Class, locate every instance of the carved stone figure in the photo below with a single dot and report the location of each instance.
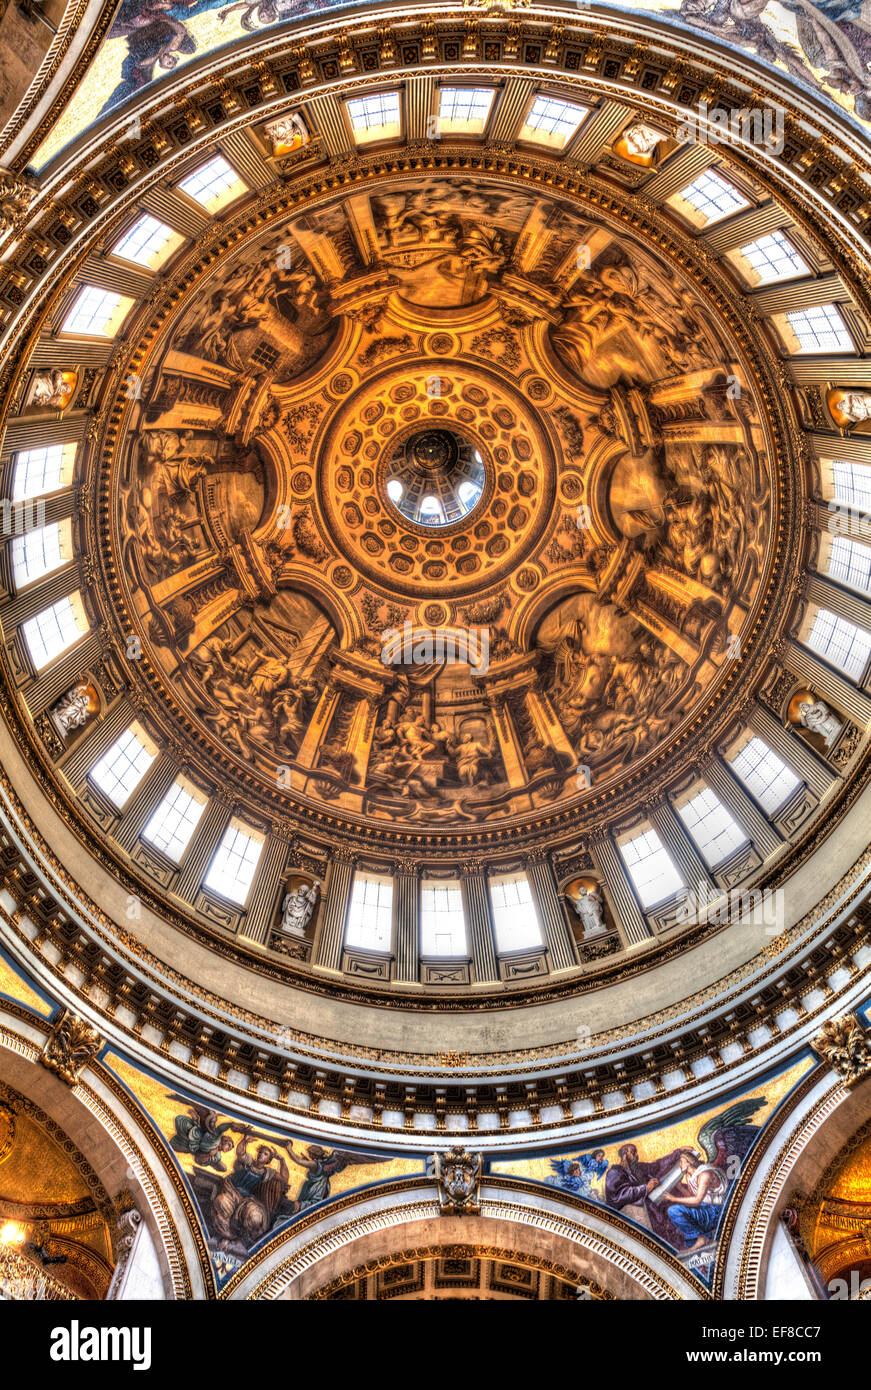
(590, 910)
(843, 1043)
(817, 717)
(73, 710)
(855, 406)
(458, 1174)
(70, 1046)
(297, 908)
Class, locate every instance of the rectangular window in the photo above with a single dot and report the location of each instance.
(375, 117)
(464, 109)
(97, 313)
(515, 920)
(650, 868)
(231, 871)
(42, 470)
(849, 483)
(843, 644)
(552, 122)
(55, 629)
(764, 774)
(40, 551)
(370, 915)
(214, 184)
(819, 329)
(711, 197)
(148, 243)
(850, 563)
(122, 768)
(774, 258)
(442, 921)
(710, 825)
(176, 818)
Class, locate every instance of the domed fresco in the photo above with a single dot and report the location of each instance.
(435, 592)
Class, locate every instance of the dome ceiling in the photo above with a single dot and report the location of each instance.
(443, 670)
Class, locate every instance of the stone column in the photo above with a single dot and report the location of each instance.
(198, 855)
(479, 922)
(406, 920)
(611, 872)
(560, 945)
(674, 835)
(264, 890)
(329, 940)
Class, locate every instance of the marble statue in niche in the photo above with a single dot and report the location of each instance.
(816, 716)
(590, 910)
(297, 908)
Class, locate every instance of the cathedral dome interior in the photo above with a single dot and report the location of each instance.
(435, 595)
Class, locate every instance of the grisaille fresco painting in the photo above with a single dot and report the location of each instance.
(225, 522)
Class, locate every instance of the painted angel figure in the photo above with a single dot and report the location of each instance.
(199, 1134)
(578, 1174)
(321, 1165)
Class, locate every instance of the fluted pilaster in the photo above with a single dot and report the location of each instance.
(479, 922)
(330, 936)
(547, 899)
(611, 872)
(406, 921)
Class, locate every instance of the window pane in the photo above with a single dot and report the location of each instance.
(371, 913)
(850, 562)
(764, 774)
(55, 629)
(40, 551)
(175, 820)
(820, 329)
(465, 105)
(232, 870)
(711, 826)
(374, 116)
(42, 470)
(851, 483)
(442, 922)
(843, 644)
(98, 313)
(774, 257)
(553, 122)
(213, 184)
(147, 242)
(650, 868)
(123, 767)
(713, 197)
(515, 919)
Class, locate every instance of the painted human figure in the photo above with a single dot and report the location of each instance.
(630, 1181)
(697, 1216)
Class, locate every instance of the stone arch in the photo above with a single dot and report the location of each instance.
(107, 1133)
(596, 1246)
